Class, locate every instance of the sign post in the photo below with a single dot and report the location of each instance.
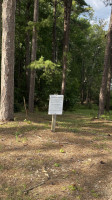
(53, 124)
(55, 108)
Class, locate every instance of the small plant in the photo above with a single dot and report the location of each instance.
(74, 171)
(71, 187)
(78, 197)
(24, 140)
(1, 167)
(94, 194)
(28, 121)
(79, 188)
(38, 151)
(56, 164)
(62, 151)
(17, 134)
(63, 188)
(75, 187)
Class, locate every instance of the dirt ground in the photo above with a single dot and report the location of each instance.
(74, 163)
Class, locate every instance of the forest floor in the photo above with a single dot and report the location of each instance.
(74, 163)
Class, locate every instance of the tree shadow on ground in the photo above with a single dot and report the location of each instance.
(82, 171)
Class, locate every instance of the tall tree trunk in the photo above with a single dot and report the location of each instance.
(0, 30)
(18, 11)
(54, 33)
(33, 57)
(82, 82)
(0, 37)
(102, 95)
(27, 61)
(109, 78)
(0, 23)
(67, 13)
(28, 49)
(7, 71)
(108, 89)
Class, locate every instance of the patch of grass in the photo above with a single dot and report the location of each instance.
(75, 130)
(74, 171)
(101, 146)
(97, 138)
(79, 188)
(75, 187)
(15, 193)
(27, 121)
(63, 188)
(72, 188)
(1, 167)
(17, 133)
(107, 117)
(94, 194)
(1, 147)
(50, 144)
(38, 151)
(78, 197)
(24, 140)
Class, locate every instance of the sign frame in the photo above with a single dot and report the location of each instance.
(55, 108)
(56, 104)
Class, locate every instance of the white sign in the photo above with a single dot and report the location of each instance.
(56, 105)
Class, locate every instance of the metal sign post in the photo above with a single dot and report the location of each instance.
(55, 108)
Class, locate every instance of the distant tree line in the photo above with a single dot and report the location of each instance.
(49, 47)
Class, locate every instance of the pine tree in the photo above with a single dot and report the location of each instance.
(7, 65)
(103, 88)
(33, 57)
(67, 13)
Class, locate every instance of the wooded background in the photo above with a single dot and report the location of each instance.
(57, 51)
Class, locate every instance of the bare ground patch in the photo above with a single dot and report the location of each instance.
(73, 163)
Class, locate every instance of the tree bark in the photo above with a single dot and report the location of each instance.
(102, 95)
(108, 89)
(28, 48)
(82, 82)
(54, 32)
(109, 78)
(67, 13)
(7, 64)
(0, 23)
(28, 55)
(33, 57)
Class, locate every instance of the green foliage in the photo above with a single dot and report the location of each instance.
(94, 194)
(85, 57)
(57, 165)
(62, 151)
(41, 64)
(71, 187)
